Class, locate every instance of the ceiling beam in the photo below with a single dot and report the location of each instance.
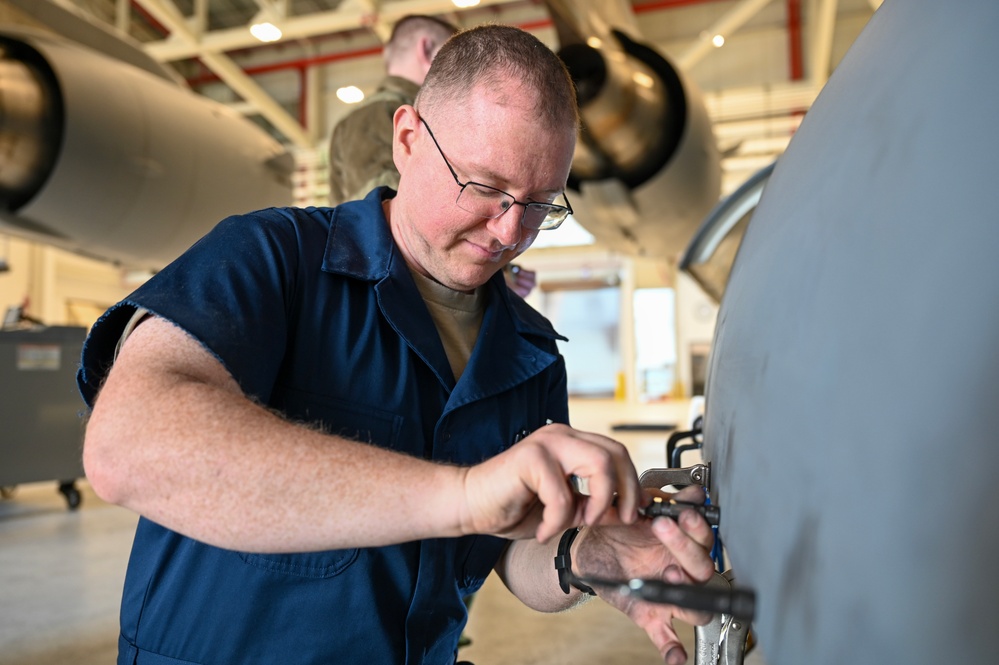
(300, 27)
(824, 23)
(122, 16)
(729, 22)
(167, 13)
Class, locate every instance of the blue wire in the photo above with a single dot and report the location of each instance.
(717, 550)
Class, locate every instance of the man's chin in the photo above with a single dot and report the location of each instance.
(472, 280)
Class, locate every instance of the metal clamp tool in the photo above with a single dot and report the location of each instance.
(725, 639)
(698, 474)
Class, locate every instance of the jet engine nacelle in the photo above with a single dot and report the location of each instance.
(646, 166)
(106, 159)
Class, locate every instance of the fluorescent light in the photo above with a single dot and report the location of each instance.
(462, 4)
(266, 31)
(350, 94)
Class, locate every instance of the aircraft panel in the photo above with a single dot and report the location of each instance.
(851, 416)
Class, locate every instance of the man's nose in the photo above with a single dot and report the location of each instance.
(507, 227)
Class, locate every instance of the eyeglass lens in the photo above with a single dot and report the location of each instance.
(488, 202)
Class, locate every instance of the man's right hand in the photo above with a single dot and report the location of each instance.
(525, 491)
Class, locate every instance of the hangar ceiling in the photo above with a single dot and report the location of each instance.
(757, 86)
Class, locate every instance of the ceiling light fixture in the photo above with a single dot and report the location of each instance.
(264, 26)
(464, 4)
(350, 94)
(265, 31)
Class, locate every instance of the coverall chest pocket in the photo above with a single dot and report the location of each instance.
(315, 565)
(342, 418)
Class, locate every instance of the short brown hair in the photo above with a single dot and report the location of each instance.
(407, 29)
(486, 54)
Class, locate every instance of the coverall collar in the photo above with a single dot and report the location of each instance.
(360, 245)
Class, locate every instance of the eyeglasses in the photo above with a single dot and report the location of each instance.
(489, 202)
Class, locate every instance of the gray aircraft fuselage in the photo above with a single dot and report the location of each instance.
(852, 408)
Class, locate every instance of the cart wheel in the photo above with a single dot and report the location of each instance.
(72, 494)
(8, 492)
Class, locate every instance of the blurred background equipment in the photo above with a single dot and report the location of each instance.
(39, 404)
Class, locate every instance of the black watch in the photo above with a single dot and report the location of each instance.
(563, 564)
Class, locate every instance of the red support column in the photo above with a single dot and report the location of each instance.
(794, 40)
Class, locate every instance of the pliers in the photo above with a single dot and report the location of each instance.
(726, 639)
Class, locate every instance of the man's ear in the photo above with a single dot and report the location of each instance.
(428, 49)
(405, 122)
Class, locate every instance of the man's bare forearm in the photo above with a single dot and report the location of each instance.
(173, 438)
(527, 568)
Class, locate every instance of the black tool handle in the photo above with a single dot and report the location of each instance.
(674, 508)
(740, 603)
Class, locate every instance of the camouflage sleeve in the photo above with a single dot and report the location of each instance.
(361, 152)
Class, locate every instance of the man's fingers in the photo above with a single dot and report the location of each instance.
(688, 549)
(694, 524)
(694, 617)
(609, 473)
(555, 495)
(630, 492)
(545, 461)
(691, 494)
(662, 635)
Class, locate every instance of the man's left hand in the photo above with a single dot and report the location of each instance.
(520, 280)
(677, 552)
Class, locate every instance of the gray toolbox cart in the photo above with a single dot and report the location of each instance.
(41, 429)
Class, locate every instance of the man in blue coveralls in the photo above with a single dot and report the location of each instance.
(335, 422)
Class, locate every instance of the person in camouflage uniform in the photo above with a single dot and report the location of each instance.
(360, 156)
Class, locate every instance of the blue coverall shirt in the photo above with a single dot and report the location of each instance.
(314, 313)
